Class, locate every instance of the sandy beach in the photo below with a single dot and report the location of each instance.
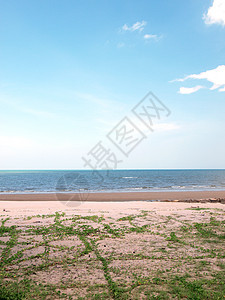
(111, 250)
(24, 205)
(112, 209)
(107, 197)
(112, 247)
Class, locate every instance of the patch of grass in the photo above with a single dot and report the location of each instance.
(205, 231)
(197, 208)
(173, 237)
(139, 229)
(10, 292)
(186, 228)
(129, 218)
(162, 269)
(24, 290)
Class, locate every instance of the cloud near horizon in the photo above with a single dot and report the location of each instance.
(215, 76)
(216, 13)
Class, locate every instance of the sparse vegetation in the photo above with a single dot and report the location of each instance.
(94, 257)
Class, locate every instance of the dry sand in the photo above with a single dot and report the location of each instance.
(112, 203)
(111, 209)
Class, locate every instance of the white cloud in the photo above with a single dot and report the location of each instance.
(150, 36)
(216, 13)
(215, 76)
(138, 26)
(184, 90)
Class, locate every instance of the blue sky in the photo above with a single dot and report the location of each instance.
(72, 70)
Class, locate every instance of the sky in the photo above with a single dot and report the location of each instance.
(71, 71)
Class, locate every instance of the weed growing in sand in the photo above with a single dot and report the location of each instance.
(141, 256)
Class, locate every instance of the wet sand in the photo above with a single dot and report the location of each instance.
(32, 204)
(108, 197)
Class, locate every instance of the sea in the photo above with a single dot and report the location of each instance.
(53, 181)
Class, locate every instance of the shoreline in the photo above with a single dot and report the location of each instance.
(118, 196)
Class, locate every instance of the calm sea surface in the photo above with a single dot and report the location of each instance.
(111, 181)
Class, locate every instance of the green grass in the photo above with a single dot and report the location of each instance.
(184, 261)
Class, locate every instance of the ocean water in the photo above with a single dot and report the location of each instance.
(111, 181)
